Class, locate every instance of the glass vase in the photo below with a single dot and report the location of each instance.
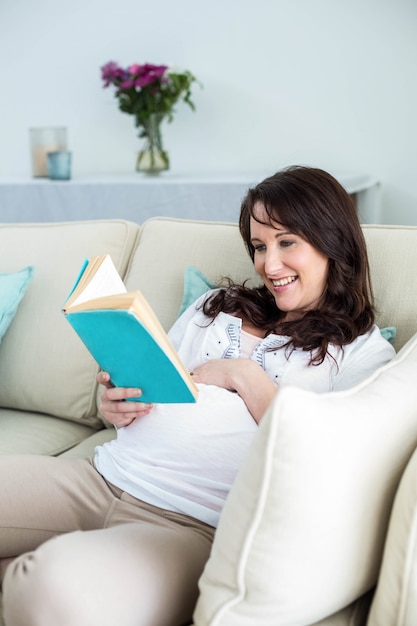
(152, 159)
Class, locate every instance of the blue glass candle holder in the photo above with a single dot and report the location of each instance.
(59, 165)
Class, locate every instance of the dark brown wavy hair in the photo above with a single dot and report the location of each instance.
(312, 204)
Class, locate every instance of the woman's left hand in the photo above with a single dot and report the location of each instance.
(217, 372)
(244, 376)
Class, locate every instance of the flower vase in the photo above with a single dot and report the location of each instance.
(152, 159)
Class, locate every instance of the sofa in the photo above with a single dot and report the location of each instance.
(320, 525)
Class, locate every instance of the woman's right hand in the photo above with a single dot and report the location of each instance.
(113, 406)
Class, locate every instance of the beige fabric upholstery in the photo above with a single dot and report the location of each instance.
(86, 448)
(38, 433)
(354, 614)
(43, 365)
(395, 602)
(392, 255)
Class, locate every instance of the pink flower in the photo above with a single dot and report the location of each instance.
(134, 69)
(146, 74)
(111, 73)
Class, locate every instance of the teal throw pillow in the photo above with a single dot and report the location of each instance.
(12, 290)
(195, 285)
(389, 333)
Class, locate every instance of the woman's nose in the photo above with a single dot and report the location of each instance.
(273, 262)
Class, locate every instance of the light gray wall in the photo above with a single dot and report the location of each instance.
(330, 83)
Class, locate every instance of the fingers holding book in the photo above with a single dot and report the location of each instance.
(103, 378)
(113, 406)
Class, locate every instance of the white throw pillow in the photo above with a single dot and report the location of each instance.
(302, 532)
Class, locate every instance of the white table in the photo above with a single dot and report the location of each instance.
(137, 197)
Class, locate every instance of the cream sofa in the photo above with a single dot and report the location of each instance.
(303, 532)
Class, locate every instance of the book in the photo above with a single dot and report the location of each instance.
(124, 336)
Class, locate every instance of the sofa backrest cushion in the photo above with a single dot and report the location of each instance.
(167, 246)
(392, 254)
(44, 366)
(302, 531)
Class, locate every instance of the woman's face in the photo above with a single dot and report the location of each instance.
(292, 269)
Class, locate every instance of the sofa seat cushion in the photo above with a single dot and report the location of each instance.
(86, 447)
(44, 366)
(24, 432)
(302, 532)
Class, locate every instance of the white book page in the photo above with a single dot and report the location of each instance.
(105, 282)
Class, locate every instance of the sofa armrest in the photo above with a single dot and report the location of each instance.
(395, 600)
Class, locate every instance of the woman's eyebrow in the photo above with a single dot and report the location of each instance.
(279, 233)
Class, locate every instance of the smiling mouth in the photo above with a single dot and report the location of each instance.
(284, 281)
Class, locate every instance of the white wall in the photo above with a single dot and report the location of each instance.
(330, 83)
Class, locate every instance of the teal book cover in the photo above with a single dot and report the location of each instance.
(123, 347)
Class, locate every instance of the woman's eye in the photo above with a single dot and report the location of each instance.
(260, 247)
(285, 243)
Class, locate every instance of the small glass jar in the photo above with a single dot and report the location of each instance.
(59, 165)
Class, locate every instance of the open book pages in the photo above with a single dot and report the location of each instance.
(98, 277)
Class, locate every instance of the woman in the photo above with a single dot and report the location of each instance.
(150, 500)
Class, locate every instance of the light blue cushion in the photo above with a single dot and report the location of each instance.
(12, 290)
(195, 285)
(389, 333)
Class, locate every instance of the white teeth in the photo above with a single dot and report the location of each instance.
(283, 281)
